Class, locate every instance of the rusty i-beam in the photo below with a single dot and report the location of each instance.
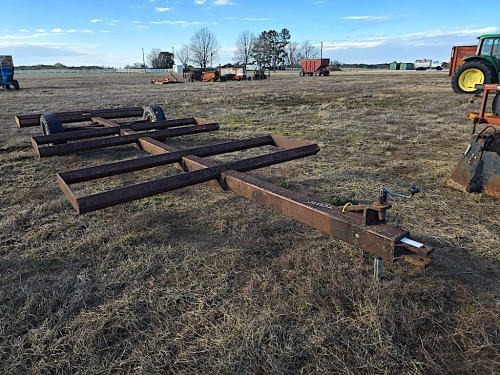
(363, 226)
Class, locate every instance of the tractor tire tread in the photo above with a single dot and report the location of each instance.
(51, 124)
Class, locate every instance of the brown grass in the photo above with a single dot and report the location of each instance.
(200, 281)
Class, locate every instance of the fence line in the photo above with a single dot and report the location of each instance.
(90, 71)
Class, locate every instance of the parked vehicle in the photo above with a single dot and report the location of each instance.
(317, 67)
(468, 68)
(424, 64)
(7, 73)
(234, 74)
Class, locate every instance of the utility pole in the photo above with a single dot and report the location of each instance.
(143, 61)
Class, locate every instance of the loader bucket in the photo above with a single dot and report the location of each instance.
(478, 170)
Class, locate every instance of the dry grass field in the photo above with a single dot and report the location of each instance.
(201, 281)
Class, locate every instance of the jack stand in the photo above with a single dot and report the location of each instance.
(378, 267)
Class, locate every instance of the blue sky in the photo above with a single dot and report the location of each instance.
(114, 32)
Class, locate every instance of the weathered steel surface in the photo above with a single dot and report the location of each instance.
(74, 135)
(126, 166)
(82, 115)
(69, 148)
(478, 169)
(146, 125)
(146, 189)
(383, 240)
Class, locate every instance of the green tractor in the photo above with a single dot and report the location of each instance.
(481, 68)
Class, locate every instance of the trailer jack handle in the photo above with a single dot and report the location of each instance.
(386, 192)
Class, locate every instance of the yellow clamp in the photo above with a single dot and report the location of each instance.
(345, 206)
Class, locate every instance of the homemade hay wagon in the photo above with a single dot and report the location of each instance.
(361, 225)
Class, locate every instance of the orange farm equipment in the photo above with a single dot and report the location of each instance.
(165, 80)
(208, 76)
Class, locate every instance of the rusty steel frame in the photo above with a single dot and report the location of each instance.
(363, 226)
(484, 117)
(478, 169)
(24, 121)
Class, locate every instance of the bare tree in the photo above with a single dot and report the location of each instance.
(183, 55)
(244, 45)
(154, 56)
(204, 47)
(335, 64)
(308, 50)
(293, 56)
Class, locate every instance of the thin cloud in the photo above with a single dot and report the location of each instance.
(57, 48)
(428, 38)
(254, 19)
(223, 2)
(57, 30)
(182, 23)
(96, 20)
(364, 18)
(162, 9)
(200, 2)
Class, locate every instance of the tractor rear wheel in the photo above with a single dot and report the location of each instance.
(51, 124)
(470, 74)
(15, 84)
(153, 113)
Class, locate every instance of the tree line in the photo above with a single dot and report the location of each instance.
(272, 49)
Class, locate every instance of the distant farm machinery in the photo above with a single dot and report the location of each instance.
(317, 67)
(361, 225)
(206, 76)
(7, 80)
(166, 80)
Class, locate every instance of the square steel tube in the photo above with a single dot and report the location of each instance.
(126, 166)
(68, 148)
(73, 135)
(82, 115)
(146, 189)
